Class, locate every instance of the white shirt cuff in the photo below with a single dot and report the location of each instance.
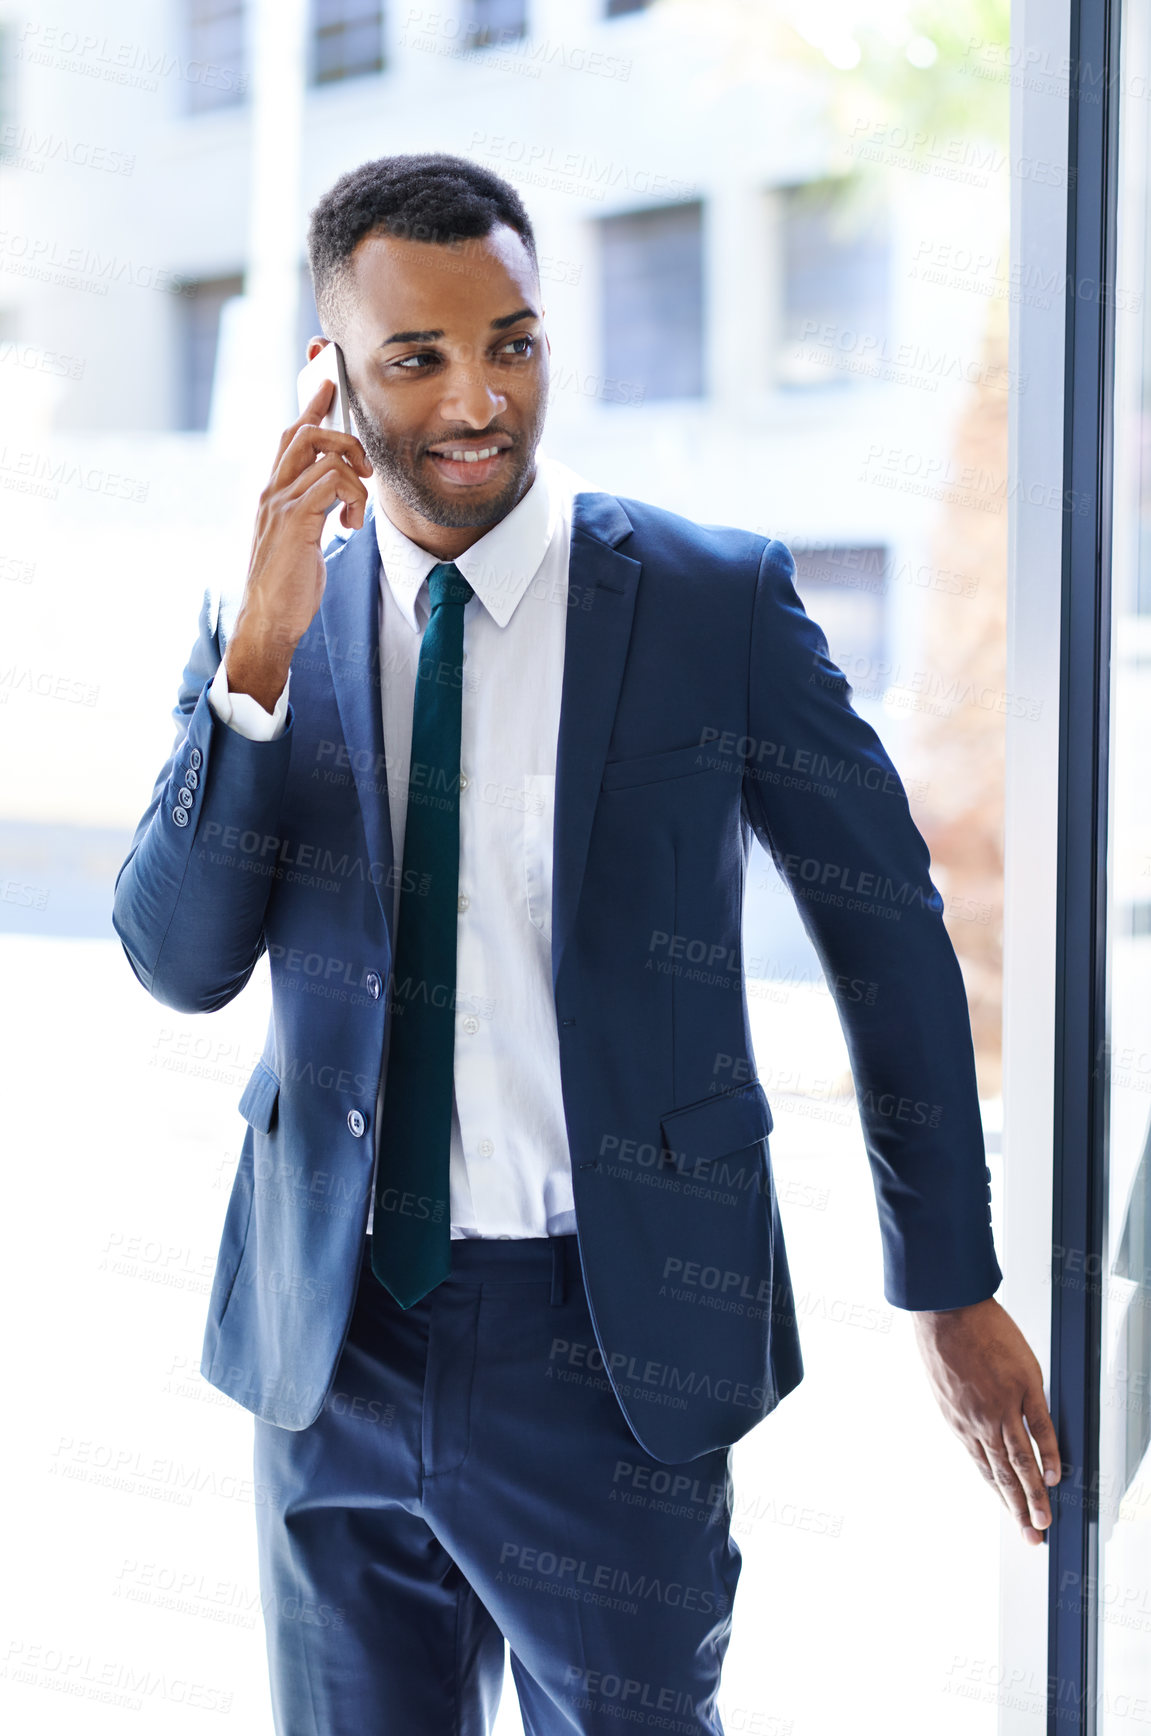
(243, 713)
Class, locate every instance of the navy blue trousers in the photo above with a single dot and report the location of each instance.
(471, 1480)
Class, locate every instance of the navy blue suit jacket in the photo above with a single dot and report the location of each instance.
(699, 705)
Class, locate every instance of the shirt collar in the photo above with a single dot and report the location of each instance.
(499, 566)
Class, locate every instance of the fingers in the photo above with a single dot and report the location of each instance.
(975, 1448)
(1043, 1433)
(309, 442)
(319, 400)
(1006, 1481)
(300, 443)
(314, 409)
(1010, 1488)
(1008, 1463)
(1021, 1457)
(328, 481)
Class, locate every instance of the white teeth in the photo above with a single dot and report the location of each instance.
(470, 457)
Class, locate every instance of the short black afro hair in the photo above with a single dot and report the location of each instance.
(426, 197)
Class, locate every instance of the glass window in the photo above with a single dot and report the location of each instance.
(835, 262)
(843, 588)
(216, 48)
(652, 301)
(617, 8)
(200, 318)
(347, 39)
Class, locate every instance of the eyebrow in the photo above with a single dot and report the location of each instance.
(497, 325)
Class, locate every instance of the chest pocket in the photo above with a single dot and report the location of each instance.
(653, 768)
(539, 818)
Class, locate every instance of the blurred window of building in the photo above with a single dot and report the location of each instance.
(216, 48)
(652, 301)
(835, 262)
(843, 587)
(199, 310)
(347, 40)
(490, 22)
(8, 65)
(617, 8)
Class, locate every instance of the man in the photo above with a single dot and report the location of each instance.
(481, 780)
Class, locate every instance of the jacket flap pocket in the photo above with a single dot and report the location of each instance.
(717, 1125)
(258, 1104)
(650, 768)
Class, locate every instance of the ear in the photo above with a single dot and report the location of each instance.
(315, 345)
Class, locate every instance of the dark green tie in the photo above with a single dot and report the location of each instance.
(411, 1223)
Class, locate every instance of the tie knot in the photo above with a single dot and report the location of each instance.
(446, 584)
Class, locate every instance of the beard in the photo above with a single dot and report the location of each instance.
(399, 464)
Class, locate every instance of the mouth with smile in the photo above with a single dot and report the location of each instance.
(468, 463)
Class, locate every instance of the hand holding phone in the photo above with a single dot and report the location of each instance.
(319, 465)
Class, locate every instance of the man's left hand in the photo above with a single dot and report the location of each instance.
(989, 1386)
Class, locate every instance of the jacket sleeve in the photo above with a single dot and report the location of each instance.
(826, 801)
(190, 899)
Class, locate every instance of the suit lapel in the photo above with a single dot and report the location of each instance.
(350, 612)
(594, 653)
(598, 632)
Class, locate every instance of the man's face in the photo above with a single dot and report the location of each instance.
(445, 353)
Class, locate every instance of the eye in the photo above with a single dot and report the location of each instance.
(431, 356)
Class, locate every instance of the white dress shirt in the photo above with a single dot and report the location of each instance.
(510, 1163)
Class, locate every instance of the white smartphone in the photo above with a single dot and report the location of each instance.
(328, 365)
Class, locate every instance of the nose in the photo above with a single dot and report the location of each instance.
(470, 396)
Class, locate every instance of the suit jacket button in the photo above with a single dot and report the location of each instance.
(372, 984)
(184, 797)
(356, 1122)
(180, 816)
(191, 778)
(195, 759)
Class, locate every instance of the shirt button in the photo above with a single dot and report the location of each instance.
(180, 816)
(463, 781)
(471, 1025)
(462, 901)
(195, 759)
(356, 1122)
(373, 985)
(485, 1148)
